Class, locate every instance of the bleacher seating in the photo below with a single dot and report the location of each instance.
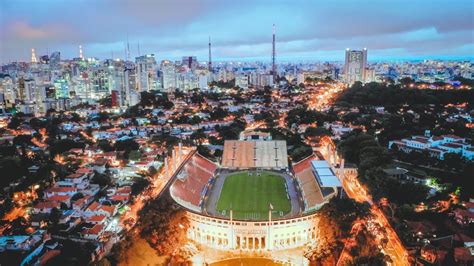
(193, 179)
(311, 191)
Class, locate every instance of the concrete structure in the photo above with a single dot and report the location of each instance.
(436, 146)
(145, 72)
(255, 154)
(250, 236)
(355, 66)
(168, 71)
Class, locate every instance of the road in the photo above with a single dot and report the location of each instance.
(394, 248)
(355, 190)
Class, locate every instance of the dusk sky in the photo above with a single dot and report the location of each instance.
(240, 30)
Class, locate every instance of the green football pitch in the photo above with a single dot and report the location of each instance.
(249, 196)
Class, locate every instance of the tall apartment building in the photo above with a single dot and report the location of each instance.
(168, 73)
(355, 65)
(146, 72)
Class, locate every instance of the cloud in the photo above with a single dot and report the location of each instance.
(171, 29)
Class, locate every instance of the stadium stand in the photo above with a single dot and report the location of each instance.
(191, 183)
(310, 189)
(239, 154)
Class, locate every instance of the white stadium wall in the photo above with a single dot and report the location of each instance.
(253, 235)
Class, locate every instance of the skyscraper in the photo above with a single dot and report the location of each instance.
(355, 65)
(55, 59)
(81, 55)
(190, 62)
(274, 55)
(146, 72)
(168, 71)
(33, 56)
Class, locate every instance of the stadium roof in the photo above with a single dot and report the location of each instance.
(324, 174)
(255, 154)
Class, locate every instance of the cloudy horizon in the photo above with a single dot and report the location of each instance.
(240, 30)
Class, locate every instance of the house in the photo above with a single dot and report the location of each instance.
(91, 190)
(61, 191)
(120, 198)
(96, 219)
(92, 209)
(463, 217)
(433, 255)
(41, 255)
(124, 191)
(436, 146)
(98, 209)
(66, 199)
(99, 165)
(79, 180)
(94, 232)
(21, 242)
(108, 211)
(45, 207)
(79, 204)
(463, 256)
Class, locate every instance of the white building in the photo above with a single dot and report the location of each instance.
(168, 70)
(242, 81)
(145, 72)
(355, 65)
(437, 146)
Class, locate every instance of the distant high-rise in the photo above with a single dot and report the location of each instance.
(168, 71)
(146, 72)
(81, 55)
(55, 59)
(33, 56)
(355, 65)
(273, 55)
(189, 61)
(209, 64)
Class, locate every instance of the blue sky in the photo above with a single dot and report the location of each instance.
(240, 29)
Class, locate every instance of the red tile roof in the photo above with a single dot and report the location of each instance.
(109, 209)
(96, 218)
(94, 206)
(95, 230)
(47, 205)
(84, 170)
(61, 189)
(59, 198)
(119, 198)
(75, 175)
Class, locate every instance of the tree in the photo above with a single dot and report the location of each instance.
(316, 132)
(466, 182)
(55, 215)
(15, 122)
(102, 180)
(198, 136)
(300, 152)
(126, 145)
(63, 145)
(139, 184)
(106, 101)
(164, 226)
(105, 145)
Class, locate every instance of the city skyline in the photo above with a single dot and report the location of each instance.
(239, 32)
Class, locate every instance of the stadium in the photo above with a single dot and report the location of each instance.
(254, 200)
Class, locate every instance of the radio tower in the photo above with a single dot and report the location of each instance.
(209, 64)
(33, 56)
(128, 49)
(81, 55)
(273, 56)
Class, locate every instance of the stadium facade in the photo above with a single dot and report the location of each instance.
(314, 181)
